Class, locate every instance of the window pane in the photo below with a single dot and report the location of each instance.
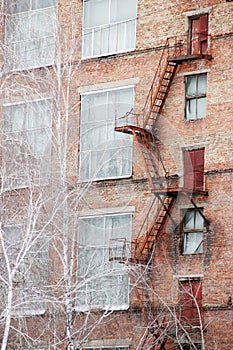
(93, 137)
(15, 118)
(121, 36)
(131, 34)
(17, 6)
(113, 38)
(42, 24)
(112, 30)
(201, 107)
(122, 10)
(202, 84)
(189, 220)
(39, 4)
(30, 38)
(120, 102)
(96, 12)
(118, 226)
(106, 284)
(87, 43)
(28, 127)
(111, 154)
(191, 86)
(94, 107)
(191, 109)
(91, 231)
(193, 243)
(198, 220)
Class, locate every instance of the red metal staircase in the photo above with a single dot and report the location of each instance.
(144, 245)
(157, 95)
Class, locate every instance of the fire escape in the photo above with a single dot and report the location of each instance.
(175, 51)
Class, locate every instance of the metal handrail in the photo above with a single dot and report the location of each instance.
(175, 46)
(149, 99)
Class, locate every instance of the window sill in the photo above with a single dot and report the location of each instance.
(94, 309)
(192, 254)
(193, 120)
(107, 55)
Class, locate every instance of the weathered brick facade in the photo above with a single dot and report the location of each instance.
(154, 318)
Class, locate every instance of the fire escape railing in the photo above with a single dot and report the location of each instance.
(176, 49)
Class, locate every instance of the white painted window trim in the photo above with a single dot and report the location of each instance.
(107, 211)
(29, 13)
(92, 92)
(103, 343)
(108, 86)
(30, 8)
(195, 72)
(17, 103)
(123, 272)
(108, 25)
(188, 277)
(7, 104)
(28, 312)
(107, 90)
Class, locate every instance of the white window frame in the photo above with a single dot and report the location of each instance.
(29, 310)
(194, 97)
(193, 233)
(105, 347)
(118, 269)
(14, 56)
(29, 2)
(115, 121)
(100, 28)
(23, 131)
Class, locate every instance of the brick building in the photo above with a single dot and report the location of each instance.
(116, 174)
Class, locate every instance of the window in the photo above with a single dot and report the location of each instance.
(193, 232)
(190, 294)
(112, 29)
(194, 346)
(196, 96)
(104, 153)
(107, 348)
(27, 143)
(102, 283)
(29, 34)
(29, 255)
(194, 169)
(199, 34)
(18, 6)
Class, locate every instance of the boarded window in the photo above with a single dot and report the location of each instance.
(190, 300)
(193, 232)
(195, 96)
(199, 34)
(194, 169)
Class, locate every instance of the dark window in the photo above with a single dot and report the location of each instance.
(193, 346)
(193, 232)
(194, 169)
(190, 292)
(199, 35)
(195, 96)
